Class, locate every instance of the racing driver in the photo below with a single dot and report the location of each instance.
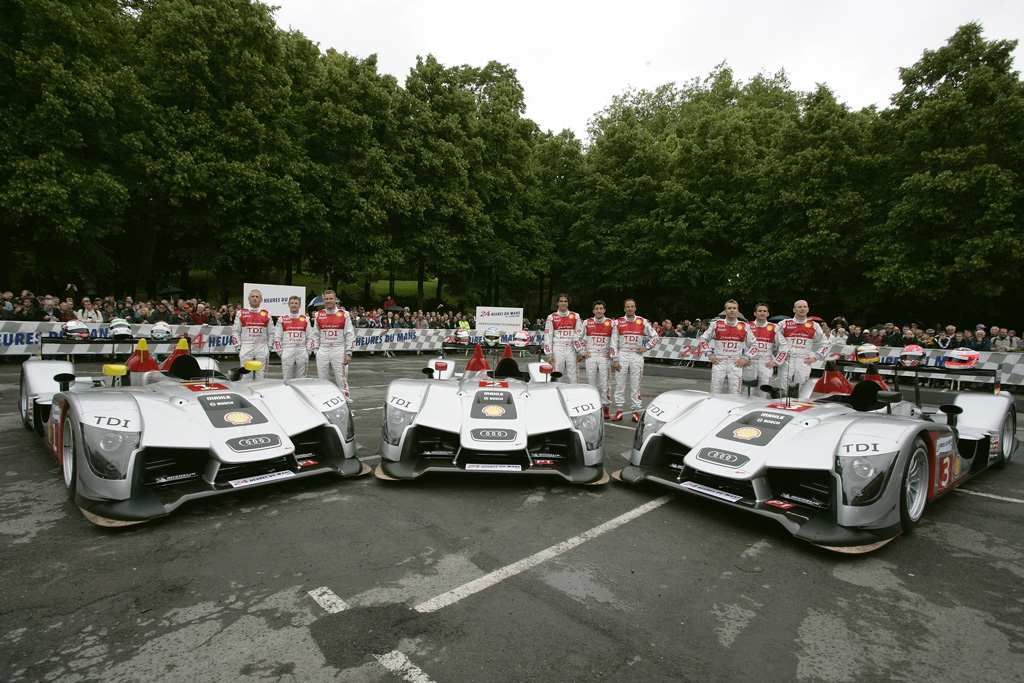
(251, 331)
(563, 334)
(764, 338)
(800, 342)
(334, 339)
(628, 350)
(728, 342)
(293, 339)
(597, 341)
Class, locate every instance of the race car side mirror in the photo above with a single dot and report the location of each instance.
(253, 365)
(429, 372)
(771, 391)
(546, 369)
(888, 398)
(951, 412)
(64, 379)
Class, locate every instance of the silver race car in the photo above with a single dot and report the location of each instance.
(140, 441)
(849, 470)
(506, 420)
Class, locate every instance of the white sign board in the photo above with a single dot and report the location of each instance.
(275, 297)
(507, 320)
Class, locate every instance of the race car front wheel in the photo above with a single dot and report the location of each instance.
(914, 489)
(26, 419)
(1007, 436)
(69, 454)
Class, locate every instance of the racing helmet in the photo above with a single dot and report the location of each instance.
(492, 336)
(74, 329)
(521, 339)
(462, 337)
(120, 329)
(160, 331)
(912, 356)
(962, 358)
(867, 354)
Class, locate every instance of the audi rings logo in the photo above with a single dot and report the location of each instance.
(724, 458)
(493, 434)
(255, 442)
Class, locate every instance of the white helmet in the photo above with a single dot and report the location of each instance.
(521, 339)
(160, 331)
(867, 354)
(462, 336)
(74, 329)
(120, 329)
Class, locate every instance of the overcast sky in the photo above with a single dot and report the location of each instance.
(573, 57)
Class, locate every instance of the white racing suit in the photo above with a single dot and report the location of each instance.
(797, 341)
(251, 331)
(334, 338)
(764, 338)
(292, 341)
(627, 338)
(729, 343)
(597, 341)
(563, 336)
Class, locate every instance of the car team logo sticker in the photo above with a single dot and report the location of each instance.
(238, 418)
(203, 386)
(746, 433)
(493, 411)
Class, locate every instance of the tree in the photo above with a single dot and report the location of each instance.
(951, 241)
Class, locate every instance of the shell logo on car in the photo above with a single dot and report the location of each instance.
(747, 433)
(493, 411)
(238, 418)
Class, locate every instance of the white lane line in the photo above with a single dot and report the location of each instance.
(989, 495)
(488, 580)
(326, 598)
(360, 410)
(629, 427)
(398, 664)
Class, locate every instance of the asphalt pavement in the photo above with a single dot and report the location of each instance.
(494, 577)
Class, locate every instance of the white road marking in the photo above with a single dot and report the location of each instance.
(488, 580)
(398, 664)
(989, 495)
(326, 598)
(629, 427)
(360, 410)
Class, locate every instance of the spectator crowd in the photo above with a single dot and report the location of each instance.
(73, 306)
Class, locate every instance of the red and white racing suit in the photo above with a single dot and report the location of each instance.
(627, 339)
(334, 338)
(597, 341)
(251, 331)
(292, 341)
(729, 342)
(764, 339)
(797, 340)
(563, 339)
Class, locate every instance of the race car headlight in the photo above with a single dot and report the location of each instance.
(108, 452)
(395, 422)
(341, 417)
(592, 428)
(864, 476)
(648, 425)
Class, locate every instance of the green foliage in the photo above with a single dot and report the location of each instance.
(147, 138)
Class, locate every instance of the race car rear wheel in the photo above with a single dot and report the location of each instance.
(1007, 436)
(914, 489)
(69, 454)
